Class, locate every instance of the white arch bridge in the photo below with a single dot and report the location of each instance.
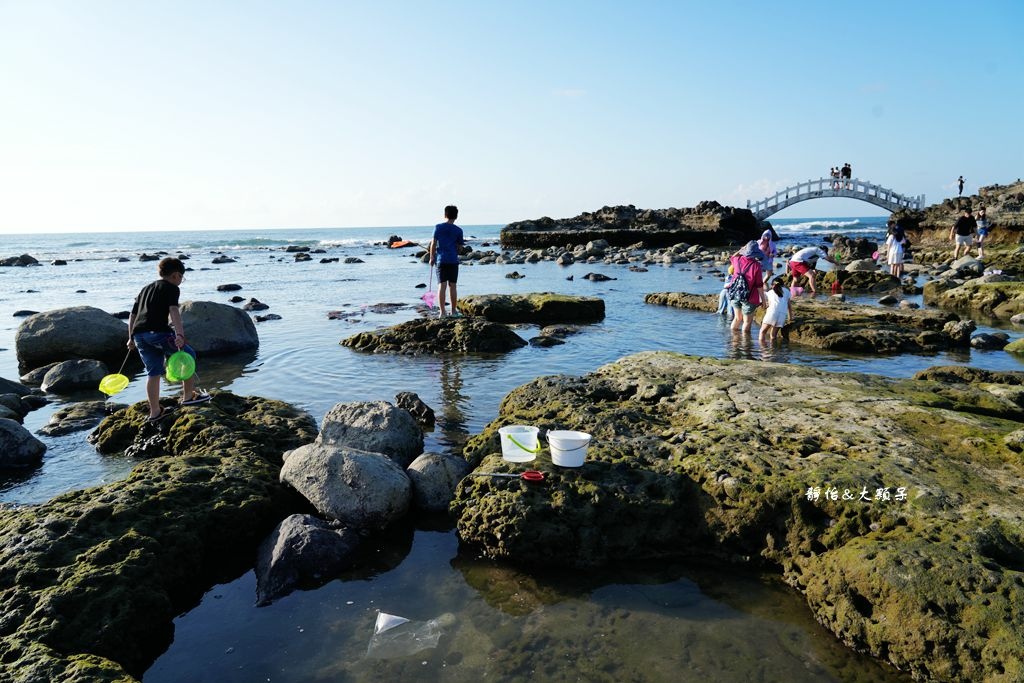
(853, 188)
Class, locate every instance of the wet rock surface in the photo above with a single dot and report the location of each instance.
(75, 333)
(540, 308)
(218, 329)
(93, 579)
(432, 336)
(894, 506)
(79, 416)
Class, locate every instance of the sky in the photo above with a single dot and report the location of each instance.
(145, 115)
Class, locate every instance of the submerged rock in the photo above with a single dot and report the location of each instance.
(540, 307)
(890, 504)
(433, 336)
(79, 416)
(302, 552)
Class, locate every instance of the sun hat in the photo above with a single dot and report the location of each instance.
(751, 250)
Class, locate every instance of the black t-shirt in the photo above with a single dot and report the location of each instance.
(965, 225)
(152, 306)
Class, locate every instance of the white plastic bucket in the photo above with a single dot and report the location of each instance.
(519, 443)
(824, 266)
(568, 448)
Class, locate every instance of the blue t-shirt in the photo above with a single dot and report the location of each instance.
(447, 238)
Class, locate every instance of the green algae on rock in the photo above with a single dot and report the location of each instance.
(1001, 300)
(853, 328)
(538, 307)
(434, 336)
(748, 460)
(93, 579)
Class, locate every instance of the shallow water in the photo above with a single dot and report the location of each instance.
(727, 625)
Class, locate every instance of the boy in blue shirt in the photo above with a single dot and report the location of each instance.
(444, 251)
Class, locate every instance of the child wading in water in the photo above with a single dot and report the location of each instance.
(150, 333)
(778, 312)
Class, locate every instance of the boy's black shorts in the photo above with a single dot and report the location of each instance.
(448, 272)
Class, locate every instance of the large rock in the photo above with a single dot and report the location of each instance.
(96, 577)
(302, 552)
(707, 223)
(362, 490)
(889, 504)
(11, 387)
(79, 416)
(540, 308)
(431, 336)
(74, 375)
(434, 477)
(76, 333)
(866, 280)
(375, 426)
(23, 260)
(218, 329)
(991, 299)
(18, 448)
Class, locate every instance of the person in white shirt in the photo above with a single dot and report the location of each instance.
(802, 263)
(778, 312)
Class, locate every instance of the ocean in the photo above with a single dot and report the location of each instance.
(423, 572)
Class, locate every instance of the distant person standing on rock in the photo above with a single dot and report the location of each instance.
(444, 252)
(962, 233)
(960, 186)
(983, 227)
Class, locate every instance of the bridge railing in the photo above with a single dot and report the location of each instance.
(836, 187)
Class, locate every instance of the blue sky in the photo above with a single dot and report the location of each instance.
(162, 115)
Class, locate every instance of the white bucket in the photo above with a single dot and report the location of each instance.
(568, 448)
(519, 443)
(824, 266)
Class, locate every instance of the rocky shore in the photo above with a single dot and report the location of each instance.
(708, 223)
(894, 506)
(1004, 205)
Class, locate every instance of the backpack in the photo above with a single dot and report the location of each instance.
(738, 289)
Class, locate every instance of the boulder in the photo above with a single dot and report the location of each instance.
(18, 448)
(301, 552)
(871, 281)
(76, 333)
(990, 299)
(543, 341)
(864, 264)
(7, 412)
(14, 404)
(218, 329)
(218, 260)
(988, 342)
(433, 336)
(23, 260)
(23, 313)
(362, 490)
(434, 477)
(35, 377)
(79, 416)
(374, 426)
(967, 266)
(9, 387)
(228, 287)
(541, 307)
(424, 414)
(255, 305)
(854, 248)
(74, 375)
(876, 500)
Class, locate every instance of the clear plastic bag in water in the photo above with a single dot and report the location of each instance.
(395, 636)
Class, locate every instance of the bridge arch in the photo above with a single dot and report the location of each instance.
(864, 190)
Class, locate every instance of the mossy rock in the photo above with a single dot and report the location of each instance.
(697, 456)
(684, 300)
(100, 574)
(447, 335)
(859, 281)
(539, 308)
(1001, 300)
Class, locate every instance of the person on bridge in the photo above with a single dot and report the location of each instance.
(962, 233)
(802, 263)
(960, 186)
(848, 174)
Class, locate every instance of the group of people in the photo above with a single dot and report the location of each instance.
(156, 330)
(841, 175)
(751, 284)
(970, 230)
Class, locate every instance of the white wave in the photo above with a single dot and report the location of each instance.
(815, 225)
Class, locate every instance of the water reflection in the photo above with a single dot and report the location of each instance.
(452, 421)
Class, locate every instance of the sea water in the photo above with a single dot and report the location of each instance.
(507, 623)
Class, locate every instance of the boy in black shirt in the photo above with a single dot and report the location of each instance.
(150, 333)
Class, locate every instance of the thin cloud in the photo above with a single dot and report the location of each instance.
(758, 189)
